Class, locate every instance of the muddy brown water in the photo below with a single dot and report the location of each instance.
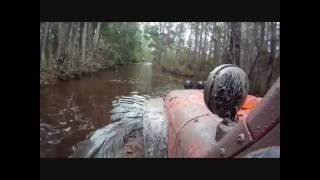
(70, 111)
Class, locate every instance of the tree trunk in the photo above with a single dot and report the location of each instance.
(69, 46)
(217, 43)
(272, 52)
(83, 42)
(89, 39)
(246, 48)
(204, 50)
(211, 42)
(161, 48)
(50, 45)
(74, 43)
(225, 42)
(41, 35)
(43, 59)
(200, 43)
(196, 39)
(233, 54)
(258, 53)
(96, 37)
(225, 36)
(190, 39)
(61, 39)
(180, 39)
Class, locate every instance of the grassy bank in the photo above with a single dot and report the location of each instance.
(63, 73)
(187, 66)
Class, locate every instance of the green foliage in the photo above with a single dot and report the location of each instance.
(175, 46)
(150, 41)
(151, 32)
(122, 41)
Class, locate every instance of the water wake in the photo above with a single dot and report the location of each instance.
(109, 141)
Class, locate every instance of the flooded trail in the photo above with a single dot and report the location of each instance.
(71, 111)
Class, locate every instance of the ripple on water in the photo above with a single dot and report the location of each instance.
(85, 105)
(127, 107)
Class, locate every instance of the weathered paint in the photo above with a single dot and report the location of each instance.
(267, 114)
(197, 137)
(192, 127)
(271, 139)
(230, 142)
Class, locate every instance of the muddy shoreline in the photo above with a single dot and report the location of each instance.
(48, 80)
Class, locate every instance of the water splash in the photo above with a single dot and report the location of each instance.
(108, 142)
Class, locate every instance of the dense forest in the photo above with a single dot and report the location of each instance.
(71, 49)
